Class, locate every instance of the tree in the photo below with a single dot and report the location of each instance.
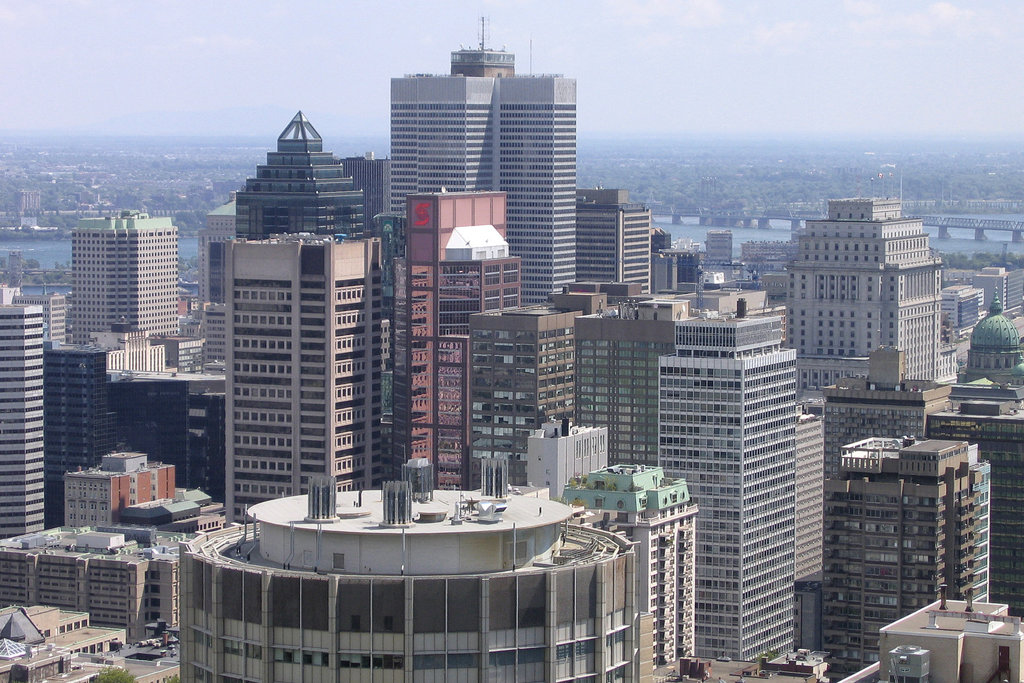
(115, 674)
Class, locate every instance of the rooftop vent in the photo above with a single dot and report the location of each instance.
(397, 496)
(322, 498)
(494, 477)
(420, 475)
(490, 511)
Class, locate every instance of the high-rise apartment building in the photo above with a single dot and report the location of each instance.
(617, 356)
(21, 420)
(998, 283)
(303, 367)
(887, 403)
(658, 514)
(484, 127)
(613, 238)
(125, 271)
(810, 474)
(373, 177)
(864, 277)
(995, 422)
(457, 264)
(902, 519)
(220, 227)
(521, 377)
(301, 188)
(727, 424)
(78, 427)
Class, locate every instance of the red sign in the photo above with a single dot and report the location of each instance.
(422, 213)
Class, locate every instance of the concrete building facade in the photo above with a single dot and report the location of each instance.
(55, 309)
(810, 477)
(617, 356)
(659, 515)
(303, 367)
(21, 421)
(613, 238)
(864, 277)
(903, 518)
(887, 403)
(727, 425)
(125, 270)
(437, 589)
(558, 452)
(96, 496)
(521, 377)
(486, 128)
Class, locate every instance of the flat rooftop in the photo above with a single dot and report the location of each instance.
(368, 518)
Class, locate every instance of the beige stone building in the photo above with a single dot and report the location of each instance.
(303, 366)
(125, 270)
(119, 583)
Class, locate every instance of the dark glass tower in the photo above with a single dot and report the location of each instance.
(78, 430)
(301, 188)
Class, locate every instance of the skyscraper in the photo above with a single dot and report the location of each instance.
(79, 429)
(613, 238)
(220, 227)
(373, 177)
(617, 374)
(303, 367)
(486, 128)
(301, 188)
(457, 264)
(863, 278)
(728, 426)
(21, 420)
(125, 271)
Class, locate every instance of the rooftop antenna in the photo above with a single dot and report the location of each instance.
(531, 55)
(483, 32)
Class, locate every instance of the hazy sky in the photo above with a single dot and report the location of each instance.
(652, 67)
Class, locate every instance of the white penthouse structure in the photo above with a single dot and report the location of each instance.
(727, 425)
(863, 278)
(405, 586)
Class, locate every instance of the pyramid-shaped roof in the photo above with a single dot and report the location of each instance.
(17, 625)
(299, 136)
(11, 650)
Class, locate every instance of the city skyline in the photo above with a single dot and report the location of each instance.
(712, 68)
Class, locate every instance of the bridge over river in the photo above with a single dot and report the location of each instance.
(737, 219)
(978, 225)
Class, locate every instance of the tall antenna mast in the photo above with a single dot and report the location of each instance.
(483, 32)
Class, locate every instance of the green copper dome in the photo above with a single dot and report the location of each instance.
(996, 332)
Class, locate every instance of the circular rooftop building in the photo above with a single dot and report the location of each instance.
(428, 586)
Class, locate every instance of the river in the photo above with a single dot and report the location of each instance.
(50, 252)
(962, 241)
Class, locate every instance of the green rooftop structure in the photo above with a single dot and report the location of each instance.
(629, 488)
(995, 351)
(657, 513)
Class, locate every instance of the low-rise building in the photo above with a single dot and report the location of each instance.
(953, 641)
(96, 496)
(118, 582)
